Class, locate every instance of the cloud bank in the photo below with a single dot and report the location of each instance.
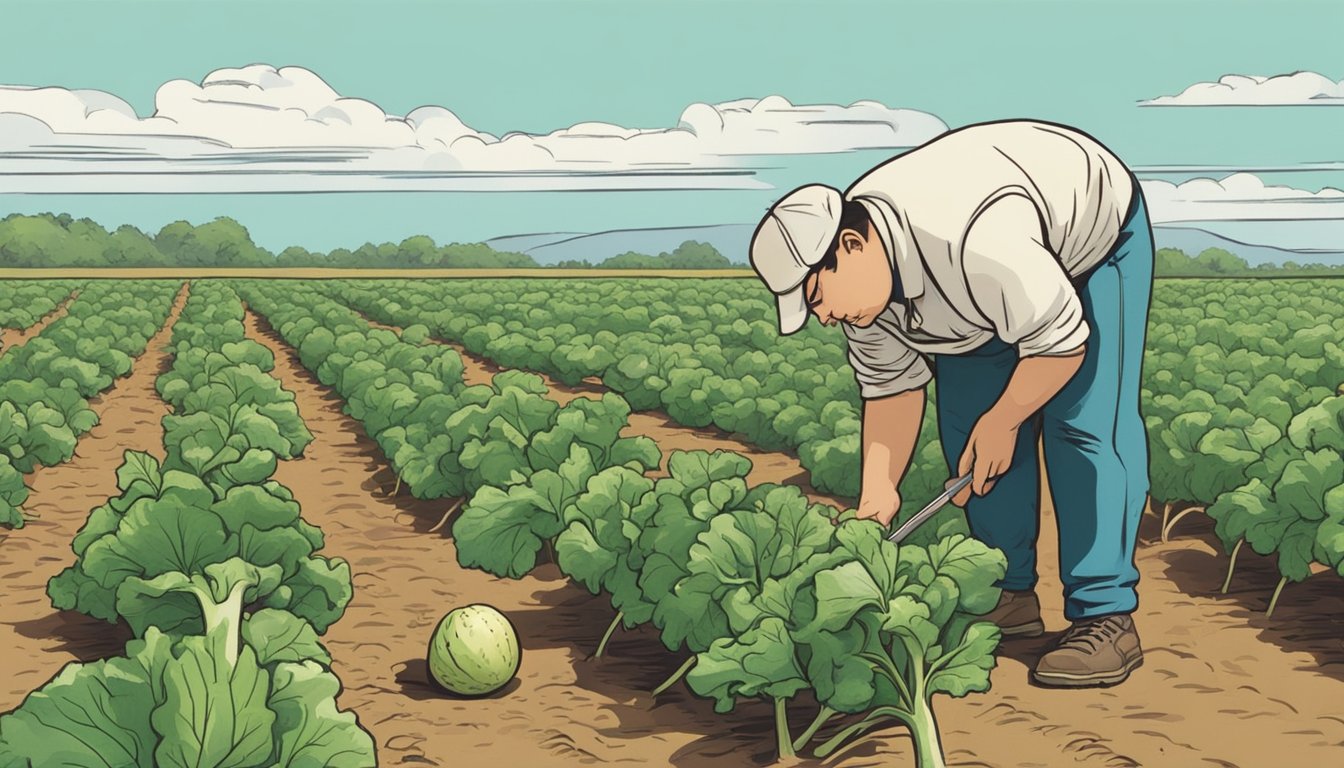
(262, 129)
(1241, 196)
(1295, 89)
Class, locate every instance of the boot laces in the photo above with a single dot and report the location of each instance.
(1092, 635)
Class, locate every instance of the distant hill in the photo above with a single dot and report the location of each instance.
(1192, 240)
(732, 241)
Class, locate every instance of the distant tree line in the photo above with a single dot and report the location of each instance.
(1217, 262)
(48, 240)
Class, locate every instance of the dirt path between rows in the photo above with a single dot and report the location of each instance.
(13, 337)
(37, 639)
(1220, 686)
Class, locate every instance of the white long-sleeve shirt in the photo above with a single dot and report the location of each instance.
(985, 227)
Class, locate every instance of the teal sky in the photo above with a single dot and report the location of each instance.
(540, 66)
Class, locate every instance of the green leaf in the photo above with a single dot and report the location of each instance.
(698, 468)
(965, 669)
(973, 567)
(309, 731)
(1306, 481)
(165, 602)
(319, 591)
(582, 558)
(1296, 550)
(1330, 533)
(640, 451)
(762, 662)
(494, 531)
(843, 681)
(158, 536)
(908, 618)
(94, 715)
(213, 713)
(843, 592)
(139, 466)
(278, 635)
(255, 466)
(254, 505)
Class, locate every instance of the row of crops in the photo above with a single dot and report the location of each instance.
(763, 593)
(706, 352)
(22, 304)
(1242, 398)
(209, 563)
(1239, 394)
(46, 382)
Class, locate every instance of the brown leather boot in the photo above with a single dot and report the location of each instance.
(1093, 652)
(1018, 614)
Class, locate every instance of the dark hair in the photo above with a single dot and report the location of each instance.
(852, 216)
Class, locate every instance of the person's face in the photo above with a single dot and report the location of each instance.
(858, 289)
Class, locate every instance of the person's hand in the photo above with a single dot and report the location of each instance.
(988, 454)
(879, 503)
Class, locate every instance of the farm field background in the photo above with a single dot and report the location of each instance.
(383, 410)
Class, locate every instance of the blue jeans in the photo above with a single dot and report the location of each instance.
(1096, 447)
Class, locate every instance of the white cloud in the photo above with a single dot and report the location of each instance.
(1295, 89)
(264, 129)
(1241, 196)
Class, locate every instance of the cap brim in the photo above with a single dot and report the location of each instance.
(793, 311)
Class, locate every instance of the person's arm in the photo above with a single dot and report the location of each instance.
(890, 430)
(993, 441)
(891, 379)
(1019, 284)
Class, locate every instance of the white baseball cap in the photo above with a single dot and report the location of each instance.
(789, 241)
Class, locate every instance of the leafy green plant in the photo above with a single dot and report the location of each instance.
(44, 383)
(239, 695)
(1293, 502)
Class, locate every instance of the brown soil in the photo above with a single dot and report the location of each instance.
(13, 337)
(37, 639)
(1221, 685)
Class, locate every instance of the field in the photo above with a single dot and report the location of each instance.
(262, 495)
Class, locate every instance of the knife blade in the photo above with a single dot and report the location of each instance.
(924, 514)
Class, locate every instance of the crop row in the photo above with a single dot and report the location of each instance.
(46, 382)
(1244, 420)
(209, 563)
(24, 302)
(1228, 368)
(766, 594)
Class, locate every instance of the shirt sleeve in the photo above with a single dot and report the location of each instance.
(883, 364)
(1018, 283)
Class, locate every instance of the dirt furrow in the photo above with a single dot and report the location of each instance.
(1212, 687)
(39, 640)
(13, 337)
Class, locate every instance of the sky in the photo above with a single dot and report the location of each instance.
(329, 124)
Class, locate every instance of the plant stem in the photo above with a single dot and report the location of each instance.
(924, 730)
(1166, 530)
(875, 717)
(824, 714)
(782, 738)
(446, 515)
(1232, 563)
(397, 488)
(616, 622)
(224, 618)
(1275, 599)
(680, 673)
